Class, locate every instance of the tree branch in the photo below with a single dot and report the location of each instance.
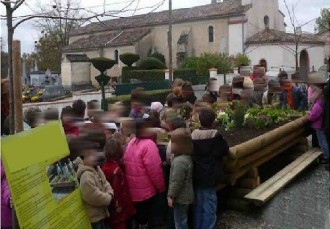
(51, 17)
(18, 4)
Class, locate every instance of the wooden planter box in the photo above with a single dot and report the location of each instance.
(246, 157)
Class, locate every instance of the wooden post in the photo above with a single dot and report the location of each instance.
(17, 67)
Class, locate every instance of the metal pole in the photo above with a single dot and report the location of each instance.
(170, 42)
(17, 75)
(103, 102)
(243, 48)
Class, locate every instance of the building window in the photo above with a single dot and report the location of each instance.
(266, 22)
(211, 34)
(116, 56)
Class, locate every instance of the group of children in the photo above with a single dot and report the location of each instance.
(122, 163)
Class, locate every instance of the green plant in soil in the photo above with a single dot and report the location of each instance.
(238, 116)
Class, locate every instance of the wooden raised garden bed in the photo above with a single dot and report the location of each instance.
(249, 155)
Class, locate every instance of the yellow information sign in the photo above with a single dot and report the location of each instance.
(42, 181)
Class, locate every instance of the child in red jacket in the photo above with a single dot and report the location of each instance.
(121, 208)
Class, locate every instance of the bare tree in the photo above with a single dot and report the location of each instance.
(297, 33)
(54, 14)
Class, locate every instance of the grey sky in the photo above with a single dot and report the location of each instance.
(305, 10)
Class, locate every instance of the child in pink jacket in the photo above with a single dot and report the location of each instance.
(6, 211)
(315, 118)
(144, 172)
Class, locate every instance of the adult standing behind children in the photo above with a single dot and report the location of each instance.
(144, 172)
(209, 149)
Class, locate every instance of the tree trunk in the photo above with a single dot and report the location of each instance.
(170, 51)
(10, 31)
(296, 57)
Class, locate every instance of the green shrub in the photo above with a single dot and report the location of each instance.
(241, 59)
(239, 113)
(158, 75)
(150, 63)
(129, 58)
(150, 96)
(143, 75)
(189, 62)
(222, 62)
(159, 56)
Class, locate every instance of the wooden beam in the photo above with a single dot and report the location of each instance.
(273, 185)
(231, 178)
(17, 73)
(261, 141)
(269, 149)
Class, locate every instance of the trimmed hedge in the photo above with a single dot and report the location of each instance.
(150, 96)
(143, 75)
(158, 75)
(159, 56)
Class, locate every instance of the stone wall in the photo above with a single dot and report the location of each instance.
(67, 102)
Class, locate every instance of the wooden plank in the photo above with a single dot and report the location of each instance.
(269, 188)
(261, 141)
(278, 144)
(242, 171)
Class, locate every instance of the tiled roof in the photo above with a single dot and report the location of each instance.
(275, 36)
(77, 57)
(223, 9)
(109, 39)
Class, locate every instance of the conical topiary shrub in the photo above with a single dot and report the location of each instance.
(129, 58)
(102, 63)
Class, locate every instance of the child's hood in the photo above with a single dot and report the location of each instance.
(84, 168)
(200, 134)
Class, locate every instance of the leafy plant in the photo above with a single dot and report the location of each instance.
(241, 59)
(269, 116)
(238, 114)
(189, 62)
(150, 63)
(222, 62)
(129, 58)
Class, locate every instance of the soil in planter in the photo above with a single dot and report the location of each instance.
(237, 136)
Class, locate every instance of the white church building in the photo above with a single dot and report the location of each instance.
(253, 27)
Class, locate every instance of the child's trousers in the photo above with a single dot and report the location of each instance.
(99, 225)
(205, 207)
(181, 216)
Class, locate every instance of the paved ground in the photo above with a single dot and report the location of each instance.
(303, 204)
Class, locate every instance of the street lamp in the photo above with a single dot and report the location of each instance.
(102, 64)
